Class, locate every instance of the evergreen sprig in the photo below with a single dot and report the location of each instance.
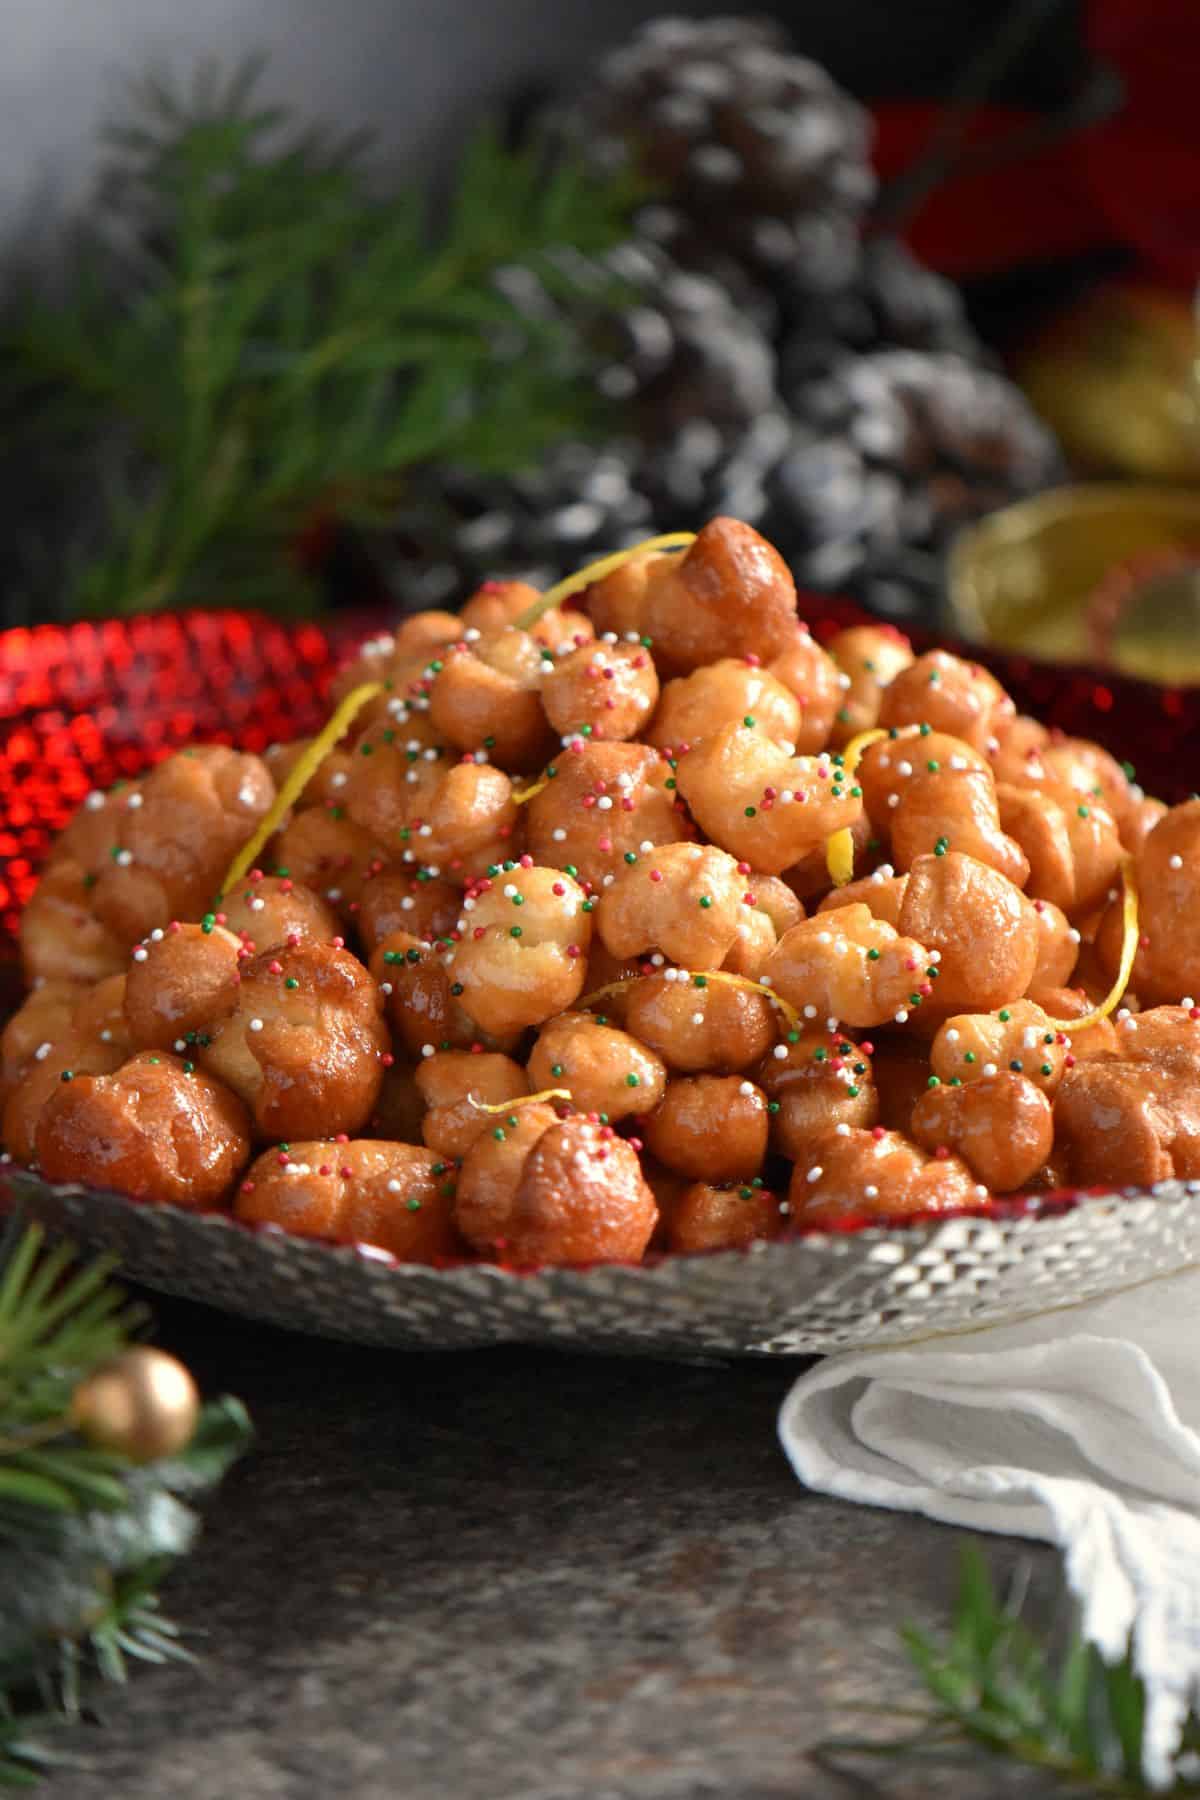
(252, 340)
(995, 1684)
(86, 1535)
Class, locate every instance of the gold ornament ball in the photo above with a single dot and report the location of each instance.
(143, 1405)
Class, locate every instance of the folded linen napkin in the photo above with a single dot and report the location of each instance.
(1080, 1425)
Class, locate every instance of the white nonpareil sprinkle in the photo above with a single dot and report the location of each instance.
(780, 1053)
(257, 905)
(608, 637)
(871, 1193)
(179, 1046)
(604, 803)
(471, 635)
(1122, 1015)
(140, 954)
(42, 1051)
(1074, 936)
(697, 1018)
(981, 1192)
(411, 777)
(746, 1088)
(427, 1050)
(843, 682)
(156, 936)
(123, 858)
(335, 894)
(902, 1017)
(385, 987)
(787, 796)
(904, 768)
(408, 903)
(935, 956)
(810, 1012)
(657, 959)
(631, 637)
(841, 947)
(509, 890)
(1030, 1037)
(766, 981)
(815, 1173)
(645, 846)
(952, 1035)
(94, 801)
(788, 748)
(559, 835)
(824, 937)
(893, 800)
(394, 1186)
(106, 1036)
(832, 1024)
(136, 800)
(958, 762)
(1175, 862)
(256, 1024)
(608, 881)
(431, 755)
(989, 1068)
(1187, 1003)
(338, 779)
(842, 1129)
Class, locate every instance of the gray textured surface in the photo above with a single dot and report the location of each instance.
(515, 1576)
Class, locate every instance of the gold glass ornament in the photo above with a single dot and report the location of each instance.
(143, 1404)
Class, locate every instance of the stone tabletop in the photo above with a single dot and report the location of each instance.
(512, 1575)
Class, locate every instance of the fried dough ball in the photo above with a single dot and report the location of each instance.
(155, 1127)
(451, 1083)
(554, 1191)
(877, 1174)
(1168, 877)
(1015, 751)
(730, 593)
(953, 696)
(944, 808)
(984, 930)
(100, 1013)
(453, 817)
(848, 966)
(169, 855)
(1139, 821)
(818, 1084)
(398, 1197)
(72, 1053)
(763, 805)
(1003, 1128)
(1070, 1004)
(607, 1071)
(61, 937)
(394, 657)
(493, 607)
(1019, 1039)
(304, 1041)
(882, 893)
(869, 657)
(1074, 850)
(709, 1127)
(524, 956)
(1089, 773)
(730, 1216)
(687, 900)
(329, 855)
(724, 693)
(487, 696)
(753, 943)
(416, 982)
(604, 802)
(43, 1018)
(179, 982)
(398, 1114)
(700, 1026)
(1058, 947)
(266, 910)
(324, 786)
(887, 766)
(771, 895)
(1135, 1117)
(612, 688)
(812, 677)
(399, 900)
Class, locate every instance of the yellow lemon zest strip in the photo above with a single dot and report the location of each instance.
(839, 849)
(596, 571)
(794, 1021)
(302, 773)
(523, 1100)
(1129, 949)
(529, 792)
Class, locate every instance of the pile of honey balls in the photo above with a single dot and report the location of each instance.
(642, 924)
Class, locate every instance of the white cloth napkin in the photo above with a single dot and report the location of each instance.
(1080, 1425)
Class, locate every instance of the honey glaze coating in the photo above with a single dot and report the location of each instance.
(157, 1127)
(878, 1174)
(1002, 1128)
(397, 1197)
(724, 1216)
(709, 1127)
(604, 1070)
(554, 1191)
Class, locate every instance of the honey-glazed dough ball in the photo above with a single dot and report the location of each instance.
(771, 895)
(523, 955)
(604, 802)
(983, 928)
(1089, 773)
(809, 878)
(847, 965)
(555, 1192)
(1020, 1039)
(168, 856)
(816, 1085)
(1134, 1117)
(422, 997)
(180, 981)
(1168, 877)
(1003, 1129)
(944, 809)
(686, 900)
(953, 696)
(1074, 849)
(610, 687)
(1058, 947)
(305, 1041)
(452, 817)
(1015, 751)
(814, 679)
(710, 1127)
(868, 658)
(882, 893)
(887, 767)
(487, 696)
(1070, 1004)
(1139, 821)
(728, 594)
(877, 1174)
(753, 943)
(324, 786)
(761, 804)
(43, 1017)
(61, 938)
(605, 1070)
(395, 657)
(400, 900)
(455, 1086)
(72, 1053)
(267, 910)
(156, 1127)
(331, 856)
(724, 693)
(397, 1197)
(699, 1026)
(497, 604)
(729, 1216)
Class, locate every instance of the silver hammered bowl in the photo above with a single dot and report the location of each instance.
(800, 1296)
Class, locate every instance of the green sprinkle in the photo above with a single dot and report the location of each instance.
(706, 901)
(556, 1068)
(570, 869)
(518, 899)
(508, 865)
(603, 1118)
(820, 1055)
(933, 1082)
(585, 731)
(793, 1037)
(514, 931)
(489, 743)
(631, 856)
(1004, 1015)
(969, 1057)
(856, 793)
(745, 1193)
(772, 1106)
(413, 955)
(498, 1134)
(1046, 1069)
(1016, 1065)
(365, 749)
(456, 988)
(646, 642)
(671, 783)
(748, 721)
(155, 1059)
(955, 1081)
(1085, 812)
(207, 923)
(189, 1068)
(853, 1092)
(291, 982)
(633, 1081)
(588, 906)
(924, 730)
(1130, 771)
(413, 1205)
(750, 811)
(511, 1120)
(69, 1074)
(933, 765)
(551, 771)
(872, 955)
(843, 715)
